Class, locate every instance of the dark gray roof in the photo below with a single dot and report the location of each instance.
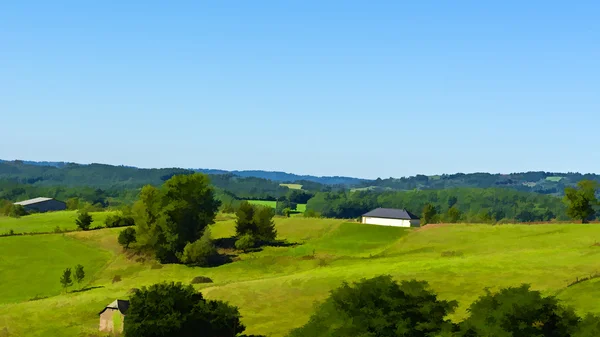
(120, 305)
(391, 213)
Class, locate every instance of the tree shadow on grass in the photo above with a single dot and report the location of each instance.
(86, 289)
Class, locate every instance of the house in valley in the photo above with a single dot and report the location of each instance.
(113, 316)
(391, 217)
(42, 205)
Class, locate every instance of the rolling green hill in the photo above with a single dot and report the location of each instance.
(459, 261)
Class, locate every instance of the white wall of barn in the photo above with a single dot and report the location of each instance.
(390, 222)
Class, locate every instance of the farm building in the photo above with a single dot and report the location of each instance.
(113, 315)
(42, 204)
(391, 217)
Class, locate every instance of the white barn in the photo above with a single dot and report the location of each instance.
(391, 217)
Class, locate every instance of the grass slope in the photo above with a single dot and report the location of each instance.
(292, 186)
(47, 222)
(459, 261)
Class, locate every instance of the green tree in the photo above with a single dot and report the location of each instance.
(127, 237)
(201, 251)
(582, 200)
(172, 309)
(518, 311)
(380, 307)
(245, 242)
(284, 203)
(17, 211)
(65, 279)
(244, 223)
(264, 224)
(72, 204)
(84, 220)
(170, 218)
(79, 274)
(453, 215)
(430, 214)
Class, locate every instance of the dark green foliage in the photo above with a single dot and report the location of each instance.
(284, 204)
(589, 326)
(72, 204)
(79, 274)
(475, 205)
(117, 220)
(17, 211)
(299, 196)
(127, 237)
(169, 218)
(84, 220)
(200, 252)
(453, 215)
(245, 242)
(201, 279)
(172, 309)
(256, 221)
(582, 200)
(516, 312)
(244, 223)
(65, 279)
(380, 307)
(430, 215)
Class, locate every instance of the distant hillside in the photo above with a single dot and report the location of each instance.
(256, 183)
(270, 175)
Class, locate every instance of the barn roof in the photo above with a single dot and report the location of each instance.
(391, 213)
(32, 201)
(121, 305)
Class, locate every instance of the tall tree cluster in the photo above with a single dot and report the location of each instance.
(175, 215)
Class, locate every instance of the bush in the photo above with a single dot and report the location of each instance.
(127, 237)
(245, 243)
(172, 309)
(84, 220)
(118, 221)
(311, 213)
(380, 307)
(201, 279)
(200, 252)
(518, 311)
(116, 278)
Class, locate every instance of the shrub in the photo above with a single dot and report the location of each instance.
(200, 252)
(172, 309)
(451, 253)
(84, 220)
(518, 311)
(116, 278)
(118, 221)
(311, 213)
(57, 229)
(245, 243)
(201, 279)
(127, 237)
(380, 307)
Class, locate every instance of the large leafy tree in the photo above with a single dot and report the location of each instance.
(256, 221)
(244, 223)
(518, 312)
(172, 309)
(582, 200)
(380, 307)
(177, 214)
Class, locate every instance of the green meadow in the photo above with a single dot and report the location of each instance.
(276, 288)
(47, 222)
(301, 208)
(292, 186)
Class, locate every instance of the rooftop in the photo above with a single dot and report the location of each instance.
(121, 305)
(391, 213)
(32, 201)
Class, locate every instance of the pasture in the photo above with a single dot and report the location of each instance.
(47, 222)
(292, 186)
(459, 261)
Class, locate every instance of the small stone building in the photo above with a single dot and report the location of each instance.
(42, 205)
(113, 315)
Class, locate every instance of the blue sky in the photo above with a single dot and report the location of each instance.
(359, 88)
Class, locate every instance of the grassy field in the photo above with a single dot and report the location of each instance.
(554, 179)
(47, 222)
(459, 261)
(292, 186)
(301, 208)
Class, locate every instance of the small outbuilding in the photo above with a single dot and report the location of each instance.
(391, 217)
(42, 205)
(113, 316)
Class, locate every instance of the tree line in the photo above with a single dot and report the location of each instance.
(476, 205)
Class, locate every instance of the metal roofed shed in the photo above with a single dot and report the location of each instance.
(42, 204)
(391, 217)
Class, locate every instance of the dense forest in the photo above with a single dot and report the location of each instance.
(479, 197)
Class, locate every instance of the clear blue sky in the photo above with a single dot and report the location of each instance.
(359, 88)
